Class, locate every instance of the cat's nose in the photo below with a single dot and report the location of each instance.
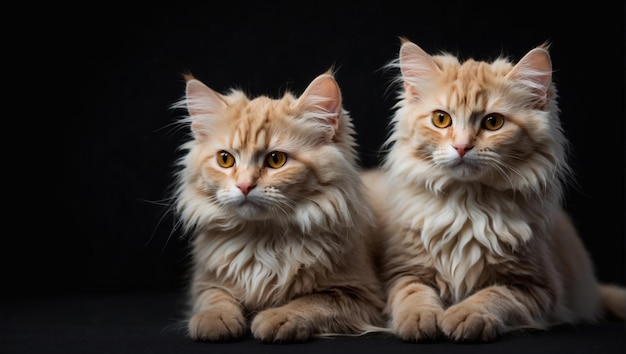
(462, 149)
(245, 187)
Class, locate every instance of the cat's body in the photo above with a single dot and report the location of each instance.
(474, 240)
(271, 190)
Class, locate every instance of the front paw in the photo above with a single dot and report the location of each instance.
(280, 325)
(212, 325)
(417, 324)
(466, 321)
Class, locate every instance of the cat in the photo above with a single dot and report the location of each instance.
(475, 242)
(270, 190)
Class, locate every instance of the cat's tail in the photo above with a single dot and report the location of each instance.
(359, 330)
(613, 300)
(373, 330)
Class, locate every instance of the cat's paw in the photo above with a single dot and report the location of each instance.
(281, 325)
(418, 324)
(213, 325)
(470, 322)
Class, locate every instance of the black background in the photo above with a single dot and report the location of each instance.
(90, 147)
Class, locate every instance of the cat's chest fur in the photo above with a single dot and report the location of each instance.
(264, 267)
(466, 233)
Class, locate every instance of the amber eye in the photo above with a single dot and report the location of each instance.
(276, 159)
(493, 121)
(225, 159)
(441, 119)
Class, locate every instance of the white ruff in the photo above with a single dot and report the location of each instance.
(463, 232)
(266, 268)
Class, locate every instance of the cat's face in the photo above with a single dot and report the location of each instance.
(475, 121)
(259, 163)
(260, 158)
(468, 126)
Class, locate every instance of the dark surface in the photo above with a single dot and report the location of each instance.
(150, 323)
(89, 146)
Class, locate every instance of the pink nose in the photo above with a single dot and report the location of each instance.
(245, 187)
(462, 149)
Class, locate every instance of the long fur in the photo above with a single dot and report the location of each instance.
(474, 241)
(280, 252)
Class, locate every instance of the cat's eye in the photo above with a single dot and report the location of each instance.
(225, 159)
(493, 121)
(441, 119)
(276, 159)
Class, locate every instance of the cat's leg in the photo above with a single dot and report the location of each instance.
(217, 317)
(332, 312)
(495, 310)
(415, 310)
(559, 288)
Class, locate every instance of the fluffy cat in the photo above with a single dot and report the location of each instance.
(271, 191)
(474, 240)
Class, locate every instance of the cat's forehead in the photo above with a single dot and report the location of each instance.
(263, 113)
(471, 85)
(263, 109)
(258, 123)
(473, 69)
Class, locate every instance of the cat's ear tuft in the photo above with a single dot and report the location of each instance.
(416, 65)
(534, 71)
(322, 98)
(203, 105)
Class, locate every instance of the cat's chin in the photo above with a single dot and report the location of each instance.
(476, 176)
(466, 175)
(251, 212)
(465, 171)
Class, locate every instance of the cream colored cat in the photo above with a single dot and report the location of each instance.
(271, 191)
(475, 242)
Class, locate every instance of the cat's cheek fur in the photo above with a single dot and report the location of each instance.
(326, 165)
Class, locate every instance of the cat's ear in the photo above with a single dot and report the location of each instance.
(204, 106)
(534, 71)
(322, 100)
(416, 65)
